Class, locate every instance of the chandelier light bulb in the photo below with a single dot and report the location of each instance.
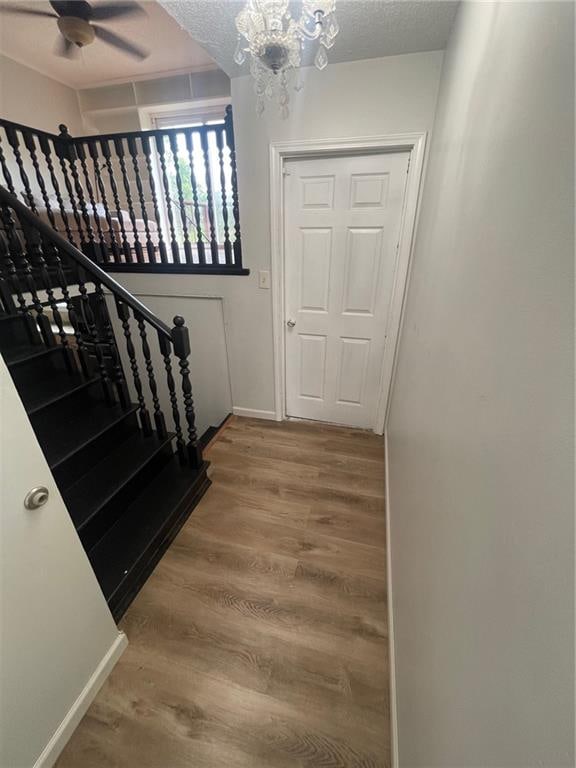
(274, 40)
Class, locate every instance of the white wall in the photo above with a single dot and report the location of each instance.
(30, 98)
(480, 430)
(379, 96)
(120, 106)
(57, 637)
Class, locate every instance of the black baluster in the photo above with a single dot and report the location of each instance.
(174, 148)
(158, 415)
(70, 155)
(14, 278)
(5, 172)
(93, 152)
(45, 147)
(8, 305)
(229, 126)
(61, 148)
(147, 155)
(174, 243)
(31, 147)
(12, 137)
(81, 154)
(119, 147)
(132, 148)
(206, 156)
(81, 349)
(227, 243)
(181, 342)
(105, 147)
(41, 319)
(199, 235)
(117, 370)
(47, 285)
(124, 315)
(166, 351)
(90, 323)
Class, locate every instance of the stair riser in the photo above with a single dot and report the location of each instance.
(70, 470)
(14, 331)
(93, 531)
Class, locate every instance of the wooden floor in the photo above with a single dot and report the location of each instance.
(260, 641)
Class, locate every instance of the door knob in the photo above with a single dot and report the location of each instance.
(36, 497)
(290, 323)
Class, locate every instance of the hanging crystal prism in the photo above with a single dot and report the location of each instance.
(239, 55)
(321, 59)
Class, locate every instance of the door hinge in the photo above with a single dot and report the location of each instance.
(409, 161)
(286, 173)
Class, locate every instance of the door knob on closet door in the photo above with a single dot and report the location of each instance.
(36, 497)
(290, 323)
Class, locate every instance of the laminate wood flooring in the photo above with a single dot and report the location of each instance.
(260, 641)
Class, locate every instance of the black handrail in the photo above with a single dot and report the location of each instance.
(49, 234)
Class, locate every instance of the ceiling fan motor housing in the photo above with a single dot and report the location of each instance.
(76, 30)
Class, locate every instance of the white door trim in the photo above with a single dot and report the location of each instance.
(280, 152)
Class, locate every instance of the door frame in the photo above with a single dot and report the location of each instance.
(280, 152)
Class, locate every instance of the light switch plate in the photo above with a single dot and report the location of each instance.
(264, 278)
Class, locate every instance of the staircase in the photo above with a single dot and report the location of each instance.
(128, 480)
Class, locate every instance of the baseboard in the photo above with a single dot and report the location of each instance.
(391, 646)
(52, 750)
(250, 413)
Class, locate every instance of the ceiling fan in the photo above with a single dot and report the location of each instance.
(75, 19)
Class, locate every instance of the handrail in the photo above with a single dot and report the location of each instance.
(24, 213)
(136, 134)
(27, 128)
(65, 136)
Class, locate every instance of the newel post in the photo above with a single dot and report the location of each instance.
(181, 341)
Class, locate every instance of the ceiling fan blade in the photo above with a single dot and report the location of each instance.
(18, 9)
(105, 11)
(65, 48)
(119, 42)
(79, 8)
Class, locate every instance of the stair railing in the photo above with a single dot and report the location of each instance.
(164, 200)
(41, 273)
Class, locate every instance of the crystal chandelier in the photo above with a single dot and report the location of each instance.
(275, 40)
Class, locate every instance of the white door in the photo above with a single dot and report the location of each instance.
(341, 226)
(57, 637)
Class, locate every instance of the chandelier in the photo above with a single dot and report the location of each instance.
(275, 40)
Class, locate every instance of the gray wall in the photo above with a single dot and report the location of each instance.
(481, 421)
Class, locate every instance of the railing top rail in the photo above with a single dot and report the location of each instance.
(27, 128)
(83, 261)
(97, 137)
(155, 132)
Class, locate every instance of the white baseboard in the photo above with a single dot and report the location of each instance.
(391, 646)
(52, 750)
(251, 413)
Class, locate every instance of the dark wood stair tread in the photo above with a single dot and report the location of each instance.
(24, 352)
(103, 481)
(124, 557)
(67, 427)
(47, 391)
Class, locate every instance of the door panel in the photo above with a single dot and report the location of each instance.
(316, 252)
(341, 224)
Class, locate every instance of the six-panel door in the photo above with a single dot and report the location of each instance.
(342, 223)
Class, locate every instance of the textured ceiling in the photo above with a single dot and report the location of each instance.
(368, 28)
(30, 40)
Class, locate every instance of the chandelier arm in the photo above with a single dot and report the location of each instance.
(314, 34)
